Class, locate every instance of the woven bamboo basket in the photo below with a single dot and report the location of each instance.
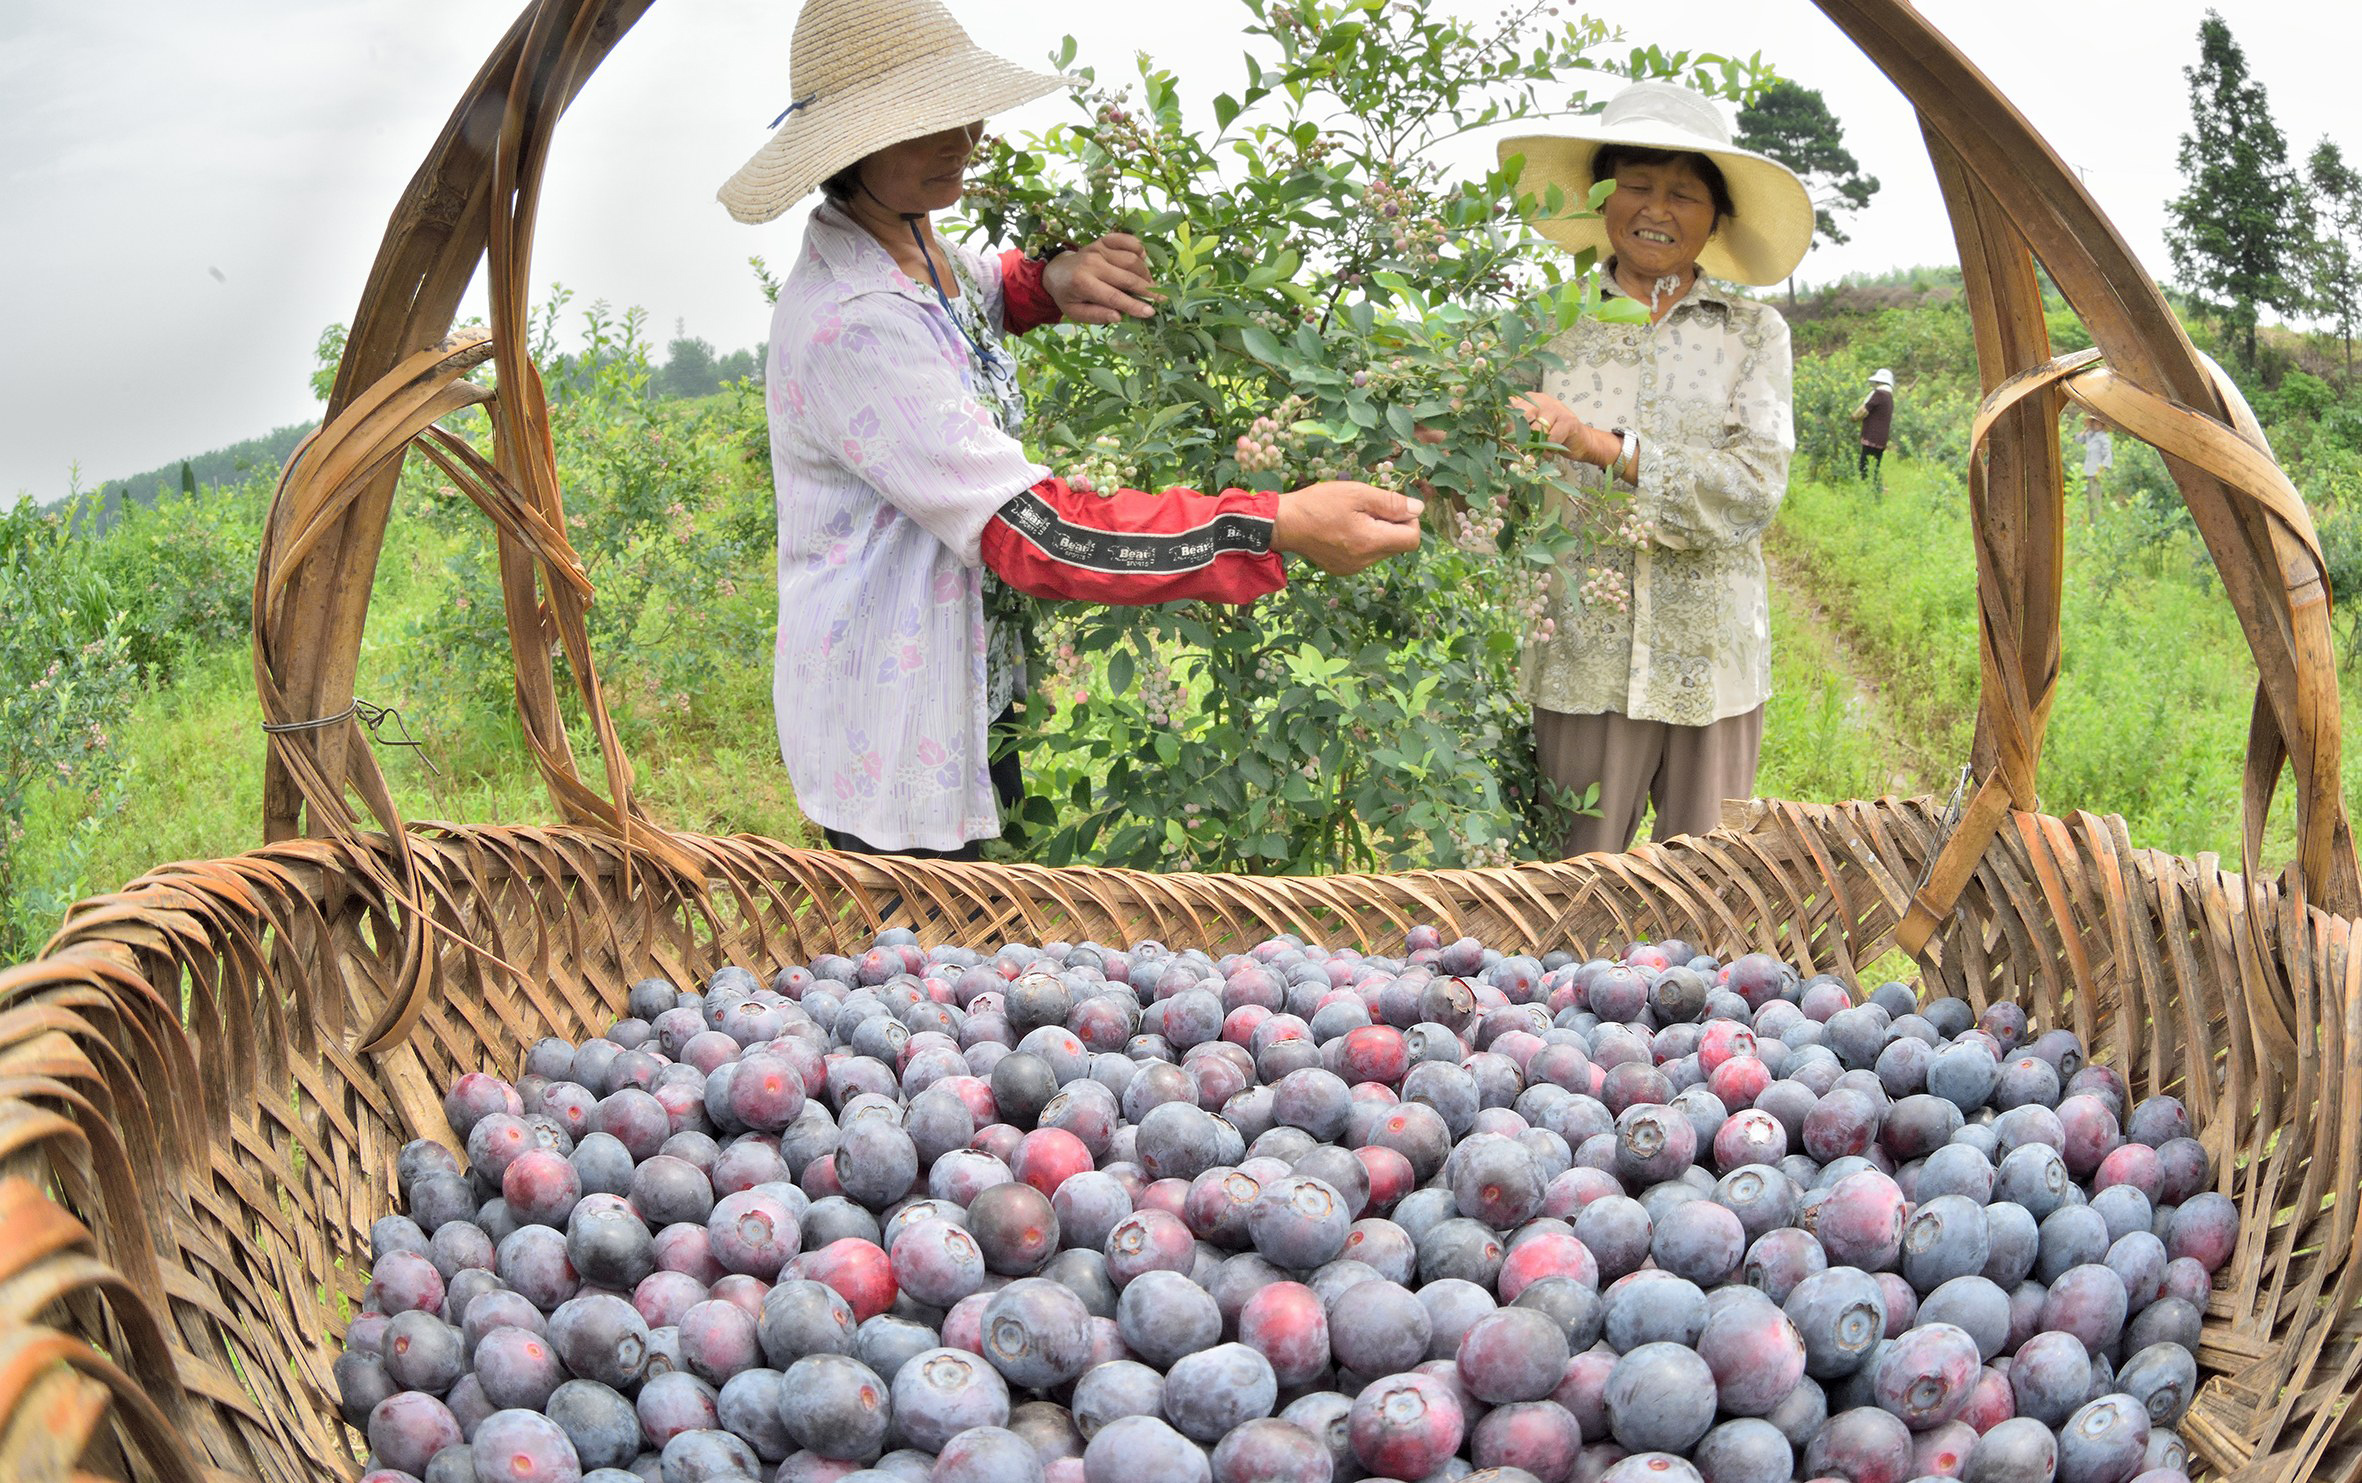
(205, 1077)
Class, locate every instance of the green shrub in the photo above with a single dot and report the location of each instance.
(66, 685)
(1330, 288)
(672, 521)
(182, 569)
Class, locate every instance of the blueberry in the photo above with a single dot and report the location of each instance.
(836, 1406)
(1165, 1316)
(1208, 1394)
(1660, 1398)
(1143, 1449)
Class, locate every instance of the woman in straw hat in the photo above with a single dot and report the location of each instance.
(1649, 676)
(895, 422)
(1876, 414)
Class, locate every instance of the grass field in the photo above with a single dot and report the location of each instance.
(1875, 677)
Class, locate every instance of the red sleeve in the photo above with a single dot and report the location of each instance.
(1136, 548)
(1025, 303)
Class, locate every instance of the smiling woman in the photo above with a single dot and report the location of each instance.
(1649, 677)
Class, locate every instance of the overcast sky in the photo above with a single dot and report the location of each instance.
(190, 192)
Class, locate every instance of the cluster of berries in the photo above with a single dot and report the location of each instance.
(1478, 531)
(1067, 676)
(1315, 150)
(1102, 469)
(1529, 603)
(1259, 449)
(1271, 442)
(1400, 218)
(1486, 855)
(1606, 587)
(1160, 690)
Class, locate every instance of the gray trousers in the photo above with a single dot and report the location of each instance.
(1685, 770)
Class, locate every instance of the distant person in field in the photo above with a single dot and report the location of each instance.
(1876, 414)
(1651, 680)
(906, 499)
(2099, 456)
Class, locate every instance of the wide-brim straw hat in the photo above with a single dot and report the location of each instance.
(1771, 224)
(867, 74)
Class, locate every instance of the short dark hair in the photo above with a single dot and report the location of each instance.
(1612, 157)
(841, 186)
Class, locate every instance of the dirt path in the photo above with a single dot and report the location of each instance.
(1906, 769)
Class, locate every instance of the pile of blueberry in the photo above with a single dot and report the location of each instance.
(1077, 1214)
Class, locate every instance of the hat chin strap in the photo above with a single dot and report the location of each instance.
(985, 355)
(909, 218)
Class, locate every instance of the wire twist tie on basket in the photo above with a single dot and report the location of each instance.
(1962, 835)
(374, 718)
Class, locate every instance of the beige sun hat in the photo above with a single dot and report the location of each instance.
(1883, 377)
(867, 74)
(1760, 243)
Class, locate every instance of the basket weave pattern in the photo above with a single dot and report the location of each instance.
(205, 1079)
(221, 1179)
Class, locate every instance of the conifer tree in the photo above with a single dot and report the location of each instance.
(2238, 228)
(1792, 123)
(2335, 266)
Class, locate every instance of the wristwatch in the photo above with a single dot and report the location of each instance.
(1625, 458)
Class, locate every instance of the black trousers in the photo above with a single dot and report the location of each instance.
(1871, 456)
(1008, 784)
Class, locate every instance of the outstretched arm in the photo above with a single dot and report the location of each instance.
(880, 397)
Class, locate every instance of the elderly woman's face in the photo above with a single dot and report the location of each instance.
(923, 174)
(1659, 217)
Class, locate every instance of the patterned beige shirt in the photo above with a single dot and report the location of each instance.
(1707, 390)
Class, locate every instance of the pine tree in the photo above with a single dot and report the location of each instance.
(1793, 125)
(2334, 270)
(2237, 230)
(689, 368)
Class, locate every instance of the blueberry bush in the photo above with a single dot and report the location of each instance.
(1332, 288)
(67, 682)
(662, 505)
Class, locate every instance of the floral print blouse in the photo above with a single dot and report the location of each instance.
(1708, 391)
(889, 457)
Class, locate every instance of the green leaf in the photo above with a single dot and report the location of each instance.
(1262, 345)
(1119, 672)
(1226, 108)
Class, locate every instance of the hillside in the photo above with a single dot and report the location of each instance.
(234, 465)
(1873, 618)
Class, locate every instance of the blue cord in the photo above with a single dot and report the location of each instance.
(990, 358)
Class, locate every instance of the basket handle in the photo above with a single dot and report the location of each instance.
(2214, 447)
(2013, 202)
